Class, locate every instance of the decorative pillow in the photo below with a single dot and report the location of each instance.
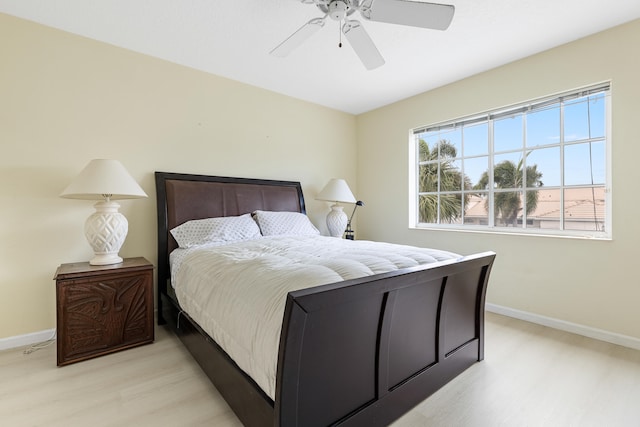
(220, 230)
(291, 223)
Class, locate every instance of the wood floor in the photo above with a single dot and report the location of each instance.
(531, 376)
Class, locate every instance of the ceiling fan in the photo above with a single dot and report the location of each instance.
(402, 12)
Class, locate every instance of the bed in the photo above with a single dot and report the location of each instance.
(357, 352)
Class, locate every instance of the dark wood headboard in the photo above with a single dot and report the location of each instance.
(184, 197)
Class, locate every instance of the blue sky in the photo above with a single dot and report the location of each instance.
(584, 160)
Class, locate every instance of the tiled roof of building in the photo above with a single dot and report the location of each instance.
(580, 204)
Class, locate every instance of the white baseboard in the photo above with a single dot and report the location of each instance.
(26, 339)
(575, 328)
(562, 325)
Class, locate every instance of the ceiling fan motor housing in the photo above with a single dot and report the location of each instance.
(338, 9)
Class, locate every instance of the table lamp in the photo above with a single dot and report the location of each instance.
(336, 191)
(106, 229)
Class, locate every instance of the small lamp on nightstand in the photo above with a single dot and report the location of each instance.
(105, 180)
(336, 191)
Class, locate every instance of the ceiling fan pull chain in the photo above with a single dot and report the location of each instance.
(340, 36)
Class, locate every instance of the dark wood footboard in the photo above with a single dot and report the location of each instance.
(365, 351)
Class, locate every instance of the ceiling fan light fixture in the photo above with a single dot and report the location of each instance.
(338, 10)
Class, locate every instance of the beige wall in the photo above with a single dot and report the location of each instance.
(65, 100)
(592, 283)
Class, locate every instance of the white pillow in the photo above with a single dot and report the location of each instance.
(220, 230)
(290, 223)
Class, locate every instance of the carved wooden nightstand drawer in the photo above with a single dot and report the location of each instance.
(103, 309)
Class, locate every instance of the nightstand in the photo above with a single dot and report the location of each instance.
(102, 309)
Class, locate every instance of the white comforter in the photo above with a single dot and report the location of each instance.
(237, 292)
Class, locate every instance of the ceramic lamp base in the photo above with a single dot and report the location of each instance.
(336, 221)
(106, 231)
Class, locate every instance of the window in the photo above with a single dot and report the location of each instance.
(539, 167)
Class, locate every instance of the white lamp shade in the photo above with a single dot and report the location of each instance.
(103, 178)
(336, 190)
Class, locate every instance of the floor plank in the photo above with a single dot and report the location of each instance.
(531, 376)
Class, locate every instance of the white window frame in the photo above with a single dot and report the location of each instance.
(489, 117)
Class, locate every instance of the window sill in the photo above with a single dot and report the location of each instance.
(520, 232)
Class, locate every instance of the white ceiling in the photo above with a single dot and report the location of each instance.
(233, 38)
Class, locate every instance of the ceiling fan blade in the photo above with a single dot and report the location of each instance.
(297, 38)
(362, 44)
(405, 12)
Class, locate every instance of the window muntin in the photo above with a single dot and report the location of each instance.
(539, 167)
